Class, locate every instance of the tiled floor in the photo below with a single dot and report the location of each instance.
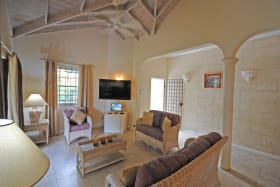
(64, 173)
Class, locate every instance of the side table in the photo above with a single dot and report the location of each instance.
(42, 125)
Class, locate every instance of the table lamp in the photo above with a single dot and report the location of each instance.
(22, 163)
(36, 102)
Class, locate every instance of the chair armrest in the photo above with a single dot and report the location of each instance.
(113, 181)
(139, 121)
(89, 120)
(66, 123)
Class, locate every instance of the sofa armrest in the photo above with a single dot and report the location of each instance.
(139, 121)
(170, 137)
(113, 181)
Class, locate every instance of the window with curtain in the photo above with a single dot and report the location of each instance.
(67, 84)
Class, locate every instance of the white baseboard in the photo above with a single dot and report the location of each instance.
(272, 156)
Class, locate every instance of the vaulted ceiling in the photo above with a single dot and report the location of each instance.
(125, 18)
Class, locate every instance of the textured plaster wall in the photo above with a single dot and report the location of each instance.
(257, 104)
(201, 106)
(155, 68)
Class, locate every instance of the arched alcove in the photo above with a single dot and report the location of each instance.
(256, 109)
(202, 107)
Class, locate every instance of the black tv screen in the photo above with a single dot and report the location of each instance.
(114, 89)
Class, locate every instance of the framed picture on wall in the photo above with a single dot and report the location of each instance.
(213, 80)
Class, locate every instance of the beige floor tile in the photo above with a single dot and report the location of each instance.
(63, 171)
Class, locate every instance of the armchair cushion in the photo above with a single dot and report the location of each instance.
(75, 127)
(78, 117)
(150, 131)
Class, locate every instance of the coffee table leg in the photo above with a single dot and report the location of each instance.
(80, 165)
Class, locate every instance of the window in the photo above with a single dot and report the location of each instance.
(67, 84)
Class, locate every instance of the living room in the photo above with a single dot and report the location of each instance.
(255, 119)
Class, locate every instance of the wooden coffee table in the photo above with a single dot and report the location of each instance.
(91, 158)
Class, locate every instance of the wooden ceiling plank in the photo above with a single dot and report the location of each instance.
(82, 6)
(57, 28)
(131, 5)
(139, 22)
(10, 17)
(164, 8)
(155, 17)
(83, 22)
(38, 23)
(150, 15)
(120, 34)
(47, 11)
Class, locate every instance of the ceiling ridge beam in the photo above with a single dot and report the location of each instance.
(37, 24)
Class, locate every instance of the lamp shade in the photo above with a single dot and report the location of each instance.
(22, 162)
(34, 100)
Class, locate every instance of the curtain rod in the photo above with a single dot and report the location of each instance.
(6, 48)
(61, 62)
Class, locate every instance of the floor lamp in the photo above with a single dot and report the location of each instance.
(22, 163)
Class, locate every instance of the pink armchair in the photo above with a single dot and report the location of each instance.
(73, 131)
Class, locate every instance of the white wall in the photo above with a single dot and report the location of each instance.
(156, 68)
(108, 56)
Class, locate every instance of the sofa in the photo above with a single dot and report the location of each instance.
(196, 164)
(155, 134)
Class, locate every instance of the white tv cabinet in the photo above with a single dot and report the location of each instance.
(115, 122)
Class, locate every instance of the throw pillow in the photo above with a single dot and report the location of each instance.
(78, 117)
(128, 175)
(148, 118)
(165, 124)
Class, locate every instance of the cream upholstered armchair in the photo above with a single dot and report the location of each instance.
(76, 124)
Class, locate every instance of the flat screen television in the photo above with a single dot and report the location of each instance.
(114, 89)
(116, 107)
